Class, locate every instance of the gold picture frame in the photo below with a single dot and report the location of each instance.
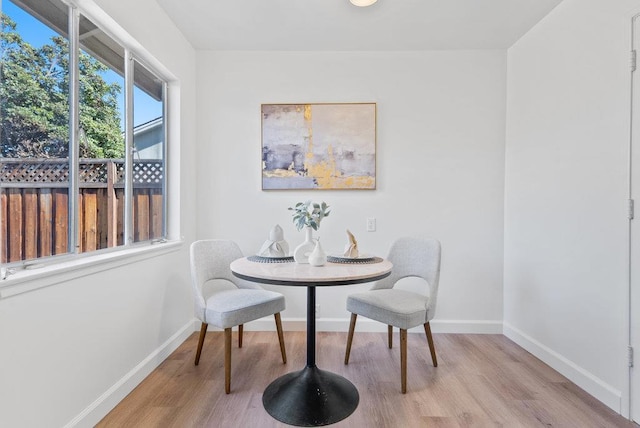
(323, 146)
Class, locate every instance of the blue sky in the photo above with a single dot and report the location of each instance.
(37, 34)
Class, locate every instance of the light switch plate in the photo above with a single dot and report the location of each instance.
(371, 224)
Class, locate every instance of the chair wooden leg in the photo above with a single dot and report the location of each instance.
(432, 348)
(240, 331)
(203, 332)
(280, 337)
(352, 327)
(403, 360)
(227, 360)
(390, 334)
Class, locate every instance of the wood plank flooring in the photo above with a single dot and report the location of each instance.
(480, 381)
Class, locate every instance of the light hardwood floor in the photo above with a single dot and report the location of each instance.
(480, 381)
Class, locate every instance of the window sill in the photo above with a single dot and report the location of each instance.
(44, 275)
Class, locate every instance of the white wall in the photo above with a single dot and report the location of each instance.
(565, 273)
(69, 351)
(440, 165)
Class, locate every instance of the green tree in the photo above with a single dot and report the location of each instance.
(34, 105)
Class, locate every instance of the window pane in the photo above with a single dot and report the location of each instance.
(149, 148)
(101, 140)
(34, 136)
(35, 166)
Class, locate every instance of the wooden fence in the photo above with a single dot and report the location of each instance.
(34, 205)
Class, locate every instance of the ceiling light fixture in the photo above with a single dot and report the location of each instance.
(362, 3)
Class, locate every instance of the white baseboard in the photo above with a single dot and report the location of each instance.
(367, 325)
(97, 410)
(576, 374)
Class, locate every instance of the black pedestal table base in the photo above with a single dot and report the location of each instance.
(310, 397)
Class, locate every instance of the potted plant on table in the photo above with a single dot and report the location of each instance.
(308, 215)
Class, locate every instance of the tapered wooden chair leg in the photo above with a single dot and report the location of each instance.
(390, 334)
(352, 327)
(203, 332)
(240, 331)
(280, 337)
(403, 360)
(432, 348)
(227, 360)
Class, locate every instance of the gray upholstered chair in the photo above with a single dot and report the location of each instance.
(230, 301)
(411, 257)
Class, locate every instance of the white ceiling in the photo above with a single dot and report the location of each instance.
(337, 25)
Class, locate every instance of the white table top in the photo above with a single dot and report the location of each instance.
(292, 273)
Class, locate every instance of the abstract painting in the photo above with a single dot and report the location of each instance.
(319, 146)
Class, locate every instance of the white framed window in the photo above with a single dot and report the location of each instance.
(83, 146)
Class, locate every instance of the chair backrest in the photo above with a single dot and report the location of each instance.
(210, 259)
(415, 257)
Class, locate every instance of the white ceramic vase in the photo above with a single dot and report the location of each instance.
(317, 257)
(303, 251)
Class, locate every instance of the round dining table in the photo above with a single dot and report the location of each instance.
(311, 396)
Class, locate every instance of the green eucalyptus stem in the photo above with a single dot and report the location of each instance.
(309, 214)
